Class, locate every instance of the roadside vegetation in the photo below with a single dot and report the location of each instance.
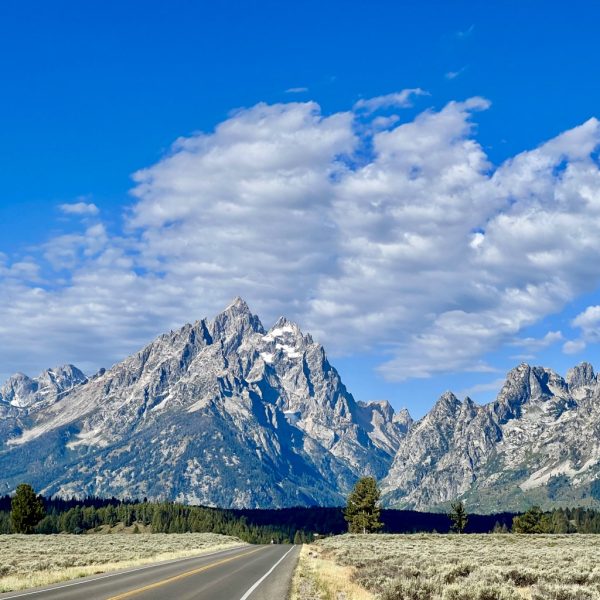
(37, 560)
(497, 566)
(450, 567)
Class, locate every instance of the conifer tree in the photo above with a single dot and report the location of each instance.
(458, 516)
(27, 510)
(362, 510)
(533, 521)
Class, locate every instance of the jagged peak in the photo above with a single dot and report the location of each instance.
(237, 317)
(581, 375)
(381, 403)
(381, 406)
(66, 369)
(285, 322)
(446, 403)
(469, 408)
(448, 397)
(18, 376)
(403, 417)
(238, 304)
(518, 371)
(282, 327)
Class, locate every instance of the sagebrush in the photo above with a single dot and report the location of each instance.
(32, 560)
(470, 567)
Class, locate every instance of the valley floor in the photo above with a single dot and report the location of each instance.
(450, 567)
(38, 560)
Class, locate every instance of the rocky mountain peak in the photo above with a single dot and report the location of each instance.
(22, 391)
(216, 412)
(403, 418)
(514, 393)
(238, 305)
(234, 325)
(581, 375)
(282, 328)
(18, 390)
(222, 412)
(447, 405)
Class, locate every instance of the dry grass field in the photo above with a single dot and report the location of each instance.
(450, 567)
(33, 560)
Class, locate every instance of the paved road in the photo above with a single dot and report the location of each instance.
(247, 573)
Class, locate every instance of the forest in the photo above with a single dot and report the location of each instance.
(261, 525)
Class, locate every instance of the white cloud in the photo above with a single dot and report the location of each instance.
(574, 346)
(422, 249)
(530, 343)
(401, 99)
(588, 322)
(483, 388)
(465, 33)
(84, 209)
(296, 90)
(454, 74)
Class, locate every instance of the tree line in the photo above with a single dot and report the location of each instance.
(27, 512)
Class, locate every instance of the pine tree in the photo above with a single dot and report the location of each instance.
(533, 521)
(27, 510)
(362, 510)
(458, 516)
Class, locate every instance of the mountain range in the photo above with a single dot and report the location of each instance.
(223, 412)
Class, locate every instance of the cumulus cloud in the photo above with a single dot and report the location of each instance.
(574, 346)
(588, 322)
(82, 209)
(531, 343)
(423, 249)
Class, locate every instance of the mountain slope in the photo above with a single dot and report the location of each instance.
(538, 442)
(218, 412)
(223, 412)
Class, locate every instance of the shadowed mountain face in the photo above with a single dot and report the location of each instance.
(223, 412)
(219, 412)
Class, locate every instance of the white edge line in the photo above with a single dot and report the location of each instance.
(247, 594)
(115, 574)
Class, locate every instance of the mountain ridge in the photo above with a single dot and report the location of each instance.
(224, 412)
(233, 415)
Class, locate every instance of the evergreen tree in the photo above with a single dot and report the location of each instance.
(458, 516)
(560, 523)
(362, 510)
(27, 510)
(533, 521)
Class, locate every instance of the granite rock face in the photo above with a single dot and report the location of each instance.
(538, 442)
(220, 412)
(223, 412)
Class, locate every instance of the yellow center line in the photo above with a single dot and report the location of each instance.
(162, 582)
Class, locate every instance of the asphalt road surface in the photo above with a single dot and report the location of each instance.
(246, 573)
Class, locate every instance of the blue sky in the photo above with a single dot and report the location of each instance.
(95, 261)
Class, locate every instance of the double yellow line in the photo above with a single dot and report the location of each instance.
(153, 586)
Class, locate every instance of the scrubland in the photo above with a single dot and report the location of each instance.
(34, 560)
(450, 567)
